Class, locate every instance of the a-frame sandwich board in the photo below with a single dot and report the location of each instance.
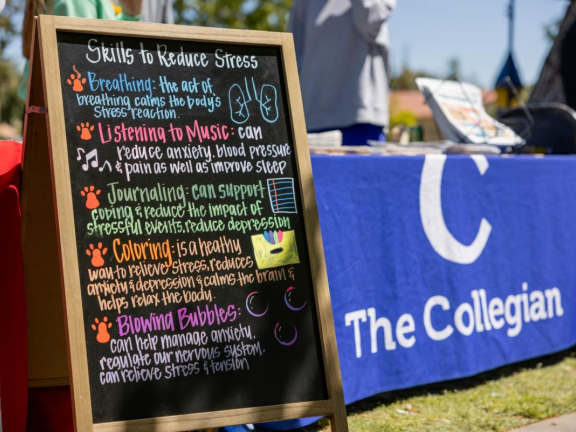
(59, 206)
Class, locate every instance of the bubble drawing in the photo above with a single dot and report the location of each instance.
(294, 299)
(285, 335)
(256, 304)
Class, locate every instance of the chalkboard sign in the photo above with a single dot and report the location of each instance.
(189, 246)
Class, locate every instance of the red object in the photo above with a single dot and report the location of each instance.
(50, 410)
(13, 352)
(47, 409)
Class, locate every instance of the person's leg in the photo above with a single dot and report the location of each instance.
(359, 134)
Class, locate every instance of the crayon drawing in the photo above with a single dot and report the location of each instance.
(275, 254)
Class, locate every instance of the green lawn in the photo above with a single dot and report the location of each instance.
(500, 400)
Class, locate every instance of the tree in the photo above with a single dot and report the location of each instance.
(271, 15)
(8, 25)
(552, 29)
(406, 80)
(454, 71)
(11, 106)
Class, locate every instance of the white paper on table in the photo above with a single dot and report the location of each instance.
(460, 114)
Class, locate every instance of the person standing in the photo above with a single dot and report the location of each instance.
(342, 49)
(128, 10)
(158, 11)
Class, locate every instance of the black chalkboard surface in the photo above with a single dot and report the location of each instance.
(191, 260)
(192, 251)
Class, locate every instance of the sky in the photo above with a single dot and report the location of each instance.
(425, 34)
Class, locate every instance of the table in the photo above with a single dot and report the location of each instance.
(397, 257)
(444, 267)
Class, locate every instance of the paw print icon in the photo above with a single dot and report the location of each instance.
(96, 254)
(102, 328)
(91, 198)
(76, 81)
(85, 131)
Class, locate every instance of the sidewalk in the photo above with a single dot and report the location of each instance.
(565, 423)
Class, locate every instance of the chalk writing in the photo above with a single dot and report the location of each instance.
(194, 268)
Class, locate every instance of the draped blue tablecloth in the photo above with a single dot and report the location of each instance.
(445, 267)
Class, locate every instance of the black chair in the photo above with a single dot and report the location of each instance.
(548, 125)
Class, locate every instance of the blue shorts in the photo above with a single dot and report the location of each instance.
(359, 134)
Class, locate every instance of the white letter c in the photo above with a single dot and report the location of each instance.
(441, 239)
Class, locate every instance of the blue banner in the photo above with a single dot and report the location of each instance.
(445, 267)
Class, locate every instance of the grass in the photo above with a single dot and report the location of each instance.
(500, 400)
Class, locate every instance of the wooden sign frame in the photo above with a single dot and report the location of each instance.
(49, 239)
